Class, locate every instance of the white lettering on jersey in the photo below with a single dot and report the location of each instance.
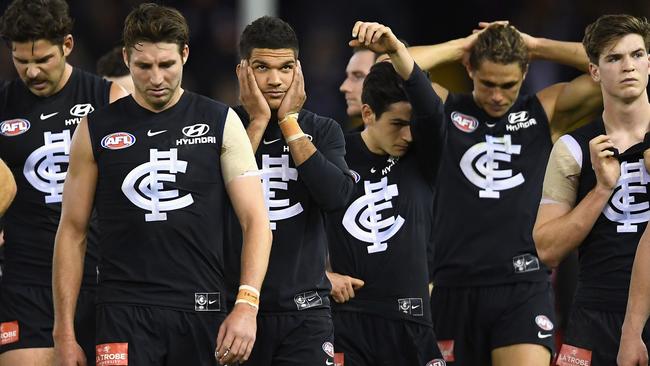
(519, 120)
(150, 194)
(44, 168)
(272, 170)
(622, 207)
(480, 164)
(365, 210)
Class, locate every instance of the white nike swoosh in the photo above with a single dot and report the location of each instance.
(415, 306)
(328, 362)
(46, 116)
(212, 302)
(542, 335)
(269, 142)
(150, 133)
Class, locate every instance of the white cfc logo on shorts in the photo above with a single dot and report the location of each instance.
(149, 193)
(276, 174)
(364, 221)
(44, 168)
(623, 206)
(480, 164)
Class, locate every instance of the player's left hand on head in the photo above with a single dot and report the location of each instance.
(295, 96)
(375, 37)
(236, 335)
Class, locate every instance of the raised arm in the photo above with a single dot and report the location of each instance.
(632, 351)
(239, 171)
(7, 187)
(70, 245)
(561, 225)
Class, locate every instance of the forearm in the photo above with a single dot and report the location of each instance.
(7, 187)
(67, 272)
(402, 62)
(556, 238)
(567, 53)
(328, 184)
(301, 150)
(256, 247)
(255, 132)
(428, 57)
(638, 304)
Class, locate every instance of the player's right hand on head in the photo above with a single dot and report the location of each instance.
(375, 37)
(69, 353)
(343, 286)
(604, 162)
(250, 95)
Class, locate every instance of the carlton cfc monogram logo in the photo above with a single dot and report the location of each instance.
(480, 165)
(622, 206)
(45, 168)
(272, 170)
(364, 211)
(149, 193)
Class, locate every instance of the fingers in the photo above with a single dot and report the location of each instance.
(369, 32)
(235, 353)
(602, 146)
(221, 348)
(356, 283)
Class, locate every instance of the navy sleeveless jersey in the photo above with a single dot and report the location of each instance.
(35, 135)
(607, 253)
(160, 203)
(295, 279)
(488, 192)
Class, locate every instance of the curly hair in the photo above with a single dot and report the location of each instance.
(500, 44)
(30, 20)
(610, 28)
(267, 32)
(155, 23)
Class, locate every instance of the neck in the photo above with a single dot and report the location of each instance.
(67, 71)
(626, 115)
(370, 144)
(172, 101)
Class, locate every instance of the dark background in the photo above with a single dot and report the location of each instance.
(324, 27)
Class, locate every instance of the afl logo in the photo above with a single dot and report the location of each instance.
(14, 127)
(118, 140)
(464, 122)
(544, 322)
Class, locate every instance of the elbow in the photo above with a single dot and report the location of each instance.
(548, 257)
(341, 197)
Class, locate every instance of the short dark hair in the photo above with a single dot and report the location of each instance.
(111, 64)
(267, 32)
(382, 87)
(360, 49)
(500, 44)
(610, 28)
(29, 20)
(154, 23)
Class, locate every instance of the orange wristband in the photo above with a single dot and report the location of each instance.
(249, 295)
(289, 125)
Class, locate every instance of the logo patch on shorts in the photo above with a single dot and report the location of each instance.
(411, 306)
(525, 263)
(544, 322)
(436, 362)
(447, 349)
(109, 354)
(571, 356)
(207, 301)
(9, 332)
(328, 348)
(339, 359)
(307, 300)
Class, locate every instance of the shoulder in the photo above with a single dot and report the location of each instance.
(317, 123)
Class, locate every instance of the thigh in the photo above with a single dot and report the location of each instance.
(84, 323)
(526, 317)
(26, 318)
(309, 340)
(399, 342)
(191, 337)
(128, 335)
(351, 339)
(462, 339)
(268, 334)
(521, 354)
(592, 336)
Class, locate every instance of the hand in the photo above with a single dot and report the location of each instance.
(604, 163)
(250, 94)
(69, 353)
(295, 96)
(375, 37)
(237, 335)
(632, 351)
(468, 42)
(343, 286)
